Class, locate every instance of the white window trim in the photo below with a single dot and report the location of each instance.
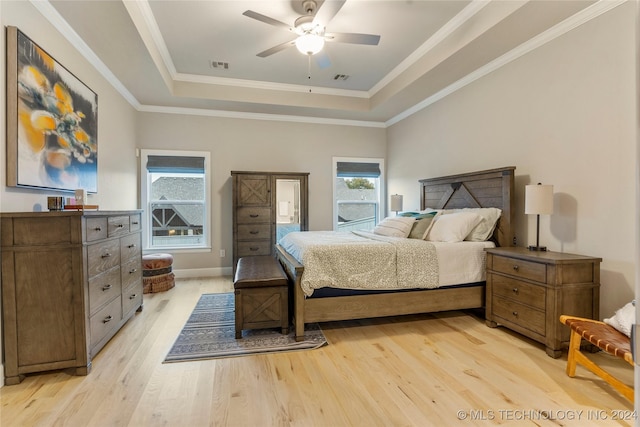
(381, 191)
(144, 200)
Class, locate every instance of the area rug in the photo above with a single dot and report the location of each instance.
(210, 333)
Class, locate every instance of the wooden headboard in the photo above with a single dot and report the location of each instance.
(484, 189)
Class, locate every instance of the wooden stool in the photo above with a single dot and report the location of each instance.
(603, 336)
(156, 273)
(261, 295)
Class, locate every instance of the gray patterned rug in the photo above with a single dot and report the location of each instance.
(210, 333)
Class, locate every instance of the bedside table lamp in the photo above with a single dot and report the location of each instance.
(396, 203)
(538, 200)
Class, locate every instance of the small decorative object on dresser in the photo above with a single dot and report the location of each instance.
(527, 291)
(70, 281)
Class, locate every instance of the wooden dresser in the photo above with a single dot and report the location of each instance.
(70, 280)
(255, 213)
(527, 291)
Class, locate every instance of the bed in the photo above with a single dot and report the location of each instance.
(483, 189)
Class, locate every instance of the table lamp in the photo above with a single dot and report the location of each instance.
(396, 203)
(538, 200)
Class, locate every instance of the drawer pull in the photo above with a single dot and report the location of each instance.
(254, 215)
(107, 319)
(516, 268)
(120, 225)
(133, 271)
(254, 232)
(107, 287)
(98, 229)
(515, 314)
(135, 223)
(133, 296)
(132, 246)
(254, 249)
(516, 291)
(107, 255)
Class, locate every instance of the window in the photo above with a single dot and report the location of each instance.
(175, 193)
(357, 193)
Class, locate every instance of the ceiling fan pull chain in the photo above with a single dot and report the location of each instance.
(309, 71)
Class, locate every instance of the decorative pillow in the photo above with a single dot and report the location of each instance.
(422, 225)
(397, 226)
(453, 227)
(623, 318)
(484, 230)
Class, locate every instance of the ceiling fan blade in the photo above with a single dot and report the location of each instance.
(327, 11)
(322, 59)
(262, 18)
(355, 38)
(276, 49)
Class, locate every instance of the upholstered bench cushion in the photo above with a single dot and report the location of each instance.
(259, 271)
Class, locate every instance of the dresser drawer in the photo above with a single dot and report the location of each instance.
(131, 299)
(104, 288)
(135, 222)
(253, 215)
(131, 272)
(105, 321)
(102, 256)
(96, 229)
(118, 225)
(520, 268)
(519, 314)
(254, 231)
(519, 291)
(254, 248)
(130, 247)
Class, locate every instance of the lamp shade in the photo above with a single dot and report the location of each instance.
(396, 202)
(310, 44)
(538, 199)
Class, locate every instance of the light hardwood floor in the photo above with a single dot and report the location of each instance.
(427, 370)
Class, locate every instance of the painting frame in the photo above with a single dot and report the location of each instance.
(52, 121)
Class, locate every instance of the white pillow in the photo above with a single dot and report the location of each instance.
(453, 227)
(484, 230)
(394, 226)
(623, 318)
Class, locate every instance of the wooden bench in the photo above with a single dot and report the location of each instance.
(603, 336)
(261, 295)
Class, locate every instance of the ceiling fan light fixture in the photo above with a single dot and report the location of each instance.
(310, 44)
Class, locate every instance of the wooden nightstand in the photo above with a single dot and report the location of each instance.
(527, 291)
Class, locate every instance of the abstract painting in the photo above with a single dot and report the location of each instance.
(52, 121)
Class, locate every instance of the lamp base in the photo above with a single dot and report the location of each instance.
(537, 248)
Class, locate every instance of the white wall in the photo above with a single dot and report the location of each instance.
(563, 114)
(257, 145)
(117, 180)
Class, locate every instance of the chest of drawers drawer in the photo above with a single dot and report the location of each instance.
(105, 320)
(253, 215)
(254, 231)
(254, 248)
(130, 247)
(519, 291)
(104, 288)
(103, 256)
(131, 272)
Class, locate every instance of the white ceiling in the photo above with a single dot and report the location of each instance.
(159, 53)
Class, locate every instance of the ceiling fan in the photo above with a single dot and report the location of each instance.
(310, 29)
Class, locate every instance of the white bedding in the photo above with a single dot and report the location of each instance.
(362, 260)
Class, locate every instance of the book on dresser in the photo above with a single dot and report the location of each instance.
(70, 280)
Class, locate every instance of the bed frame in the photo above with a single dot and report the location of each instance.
(489, 188)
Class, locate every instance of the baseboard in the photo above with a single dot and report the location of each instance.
(203, 272)
(1, 374)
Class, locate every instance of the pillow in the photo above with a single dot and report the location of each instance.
(623, 318)
(397, 226)
(422, 225)
(453, 227)
(484, 230)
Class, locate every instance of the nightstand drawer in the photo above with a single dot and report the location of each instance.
(519, 291)
(519, 314)
(520, 268)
